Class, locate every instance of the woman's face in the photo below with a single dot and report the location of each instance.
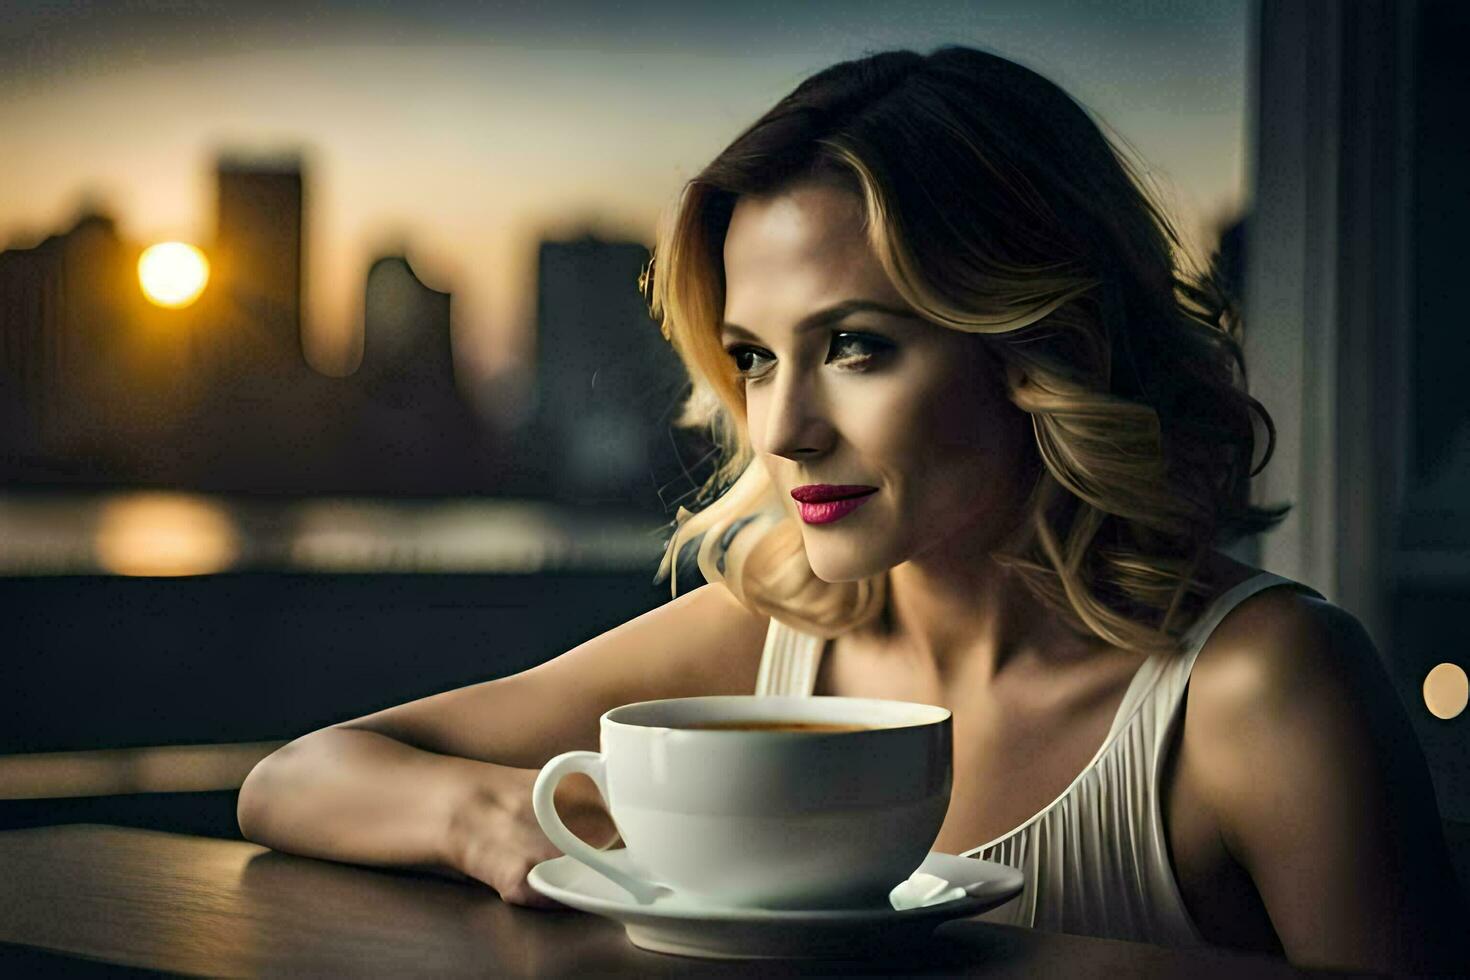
(847, 387)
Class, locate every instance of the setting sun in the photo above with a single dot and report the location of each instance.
(173, 274)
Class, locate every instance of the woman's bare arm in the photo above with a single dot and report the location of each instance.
(1300, 744)
(443, 781)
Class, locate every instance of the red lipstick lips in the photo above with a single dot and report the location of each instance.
(823, 503)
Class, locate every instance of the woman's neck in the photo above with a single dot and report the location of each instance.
(977, 611)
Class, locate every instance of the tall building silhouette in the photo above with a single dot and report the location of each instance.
(421, 435)
(265, 412)
(89, 374)
(406, 333)
(606, 380)
(260, 257)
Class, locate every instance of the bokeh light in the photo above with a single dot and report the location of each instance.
(165, 534)
(1446, 691)
(173, 274)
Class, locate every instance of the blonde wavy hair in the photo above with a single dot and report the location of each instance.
(997, 206)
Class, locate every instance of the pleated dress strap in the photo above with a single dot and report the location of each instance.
(789, 662)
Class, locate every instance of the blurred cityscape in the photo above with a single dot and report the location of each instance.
(101, 388)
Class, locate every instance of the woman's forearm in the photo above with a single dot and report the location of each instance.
(358, 796)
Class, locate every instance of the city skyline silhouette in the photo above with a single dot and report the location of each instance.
(104, 389)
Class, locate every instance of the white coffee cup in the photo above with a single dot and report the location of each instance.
(763, 818)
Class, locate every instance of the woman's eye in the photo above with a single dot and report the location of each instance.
(850, 350)
(742, 356)
(856, 349)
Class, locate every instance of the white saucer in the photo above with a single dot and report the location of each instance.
(674, 925)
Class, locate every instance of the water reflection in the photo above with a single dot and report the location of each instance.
(160, 534)
(360, 535)
(110, 772)
(173, 534)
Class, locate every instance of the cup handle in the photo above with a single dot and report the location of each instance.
(544, 804)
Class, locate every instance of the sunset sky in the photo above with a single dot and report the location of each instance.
(462, 133)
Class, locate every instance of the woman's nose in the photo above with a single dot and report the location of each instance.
(796, 425)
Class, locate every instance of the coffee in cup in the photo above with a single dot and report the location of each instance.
(775, 726)
(763, 802)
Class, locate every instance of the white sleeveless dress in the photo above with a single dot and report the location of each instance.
(1096, 859)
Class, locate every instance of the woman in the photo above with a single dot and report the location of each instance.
(981, 442)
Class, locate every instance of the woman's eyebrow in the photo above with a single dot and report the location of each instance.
(832, 314)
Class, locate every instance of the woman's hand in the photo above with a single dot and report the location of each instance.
(443, 784)
(495, 839)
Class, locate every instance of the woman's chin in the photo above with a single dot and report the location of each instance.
(834, 569)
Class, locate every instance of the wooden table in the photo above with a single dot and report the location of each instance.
(197, 905)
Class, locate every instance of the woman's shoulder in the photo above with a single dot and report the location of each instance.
(1297, 744)
(1278, 646)
(1287, 687)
